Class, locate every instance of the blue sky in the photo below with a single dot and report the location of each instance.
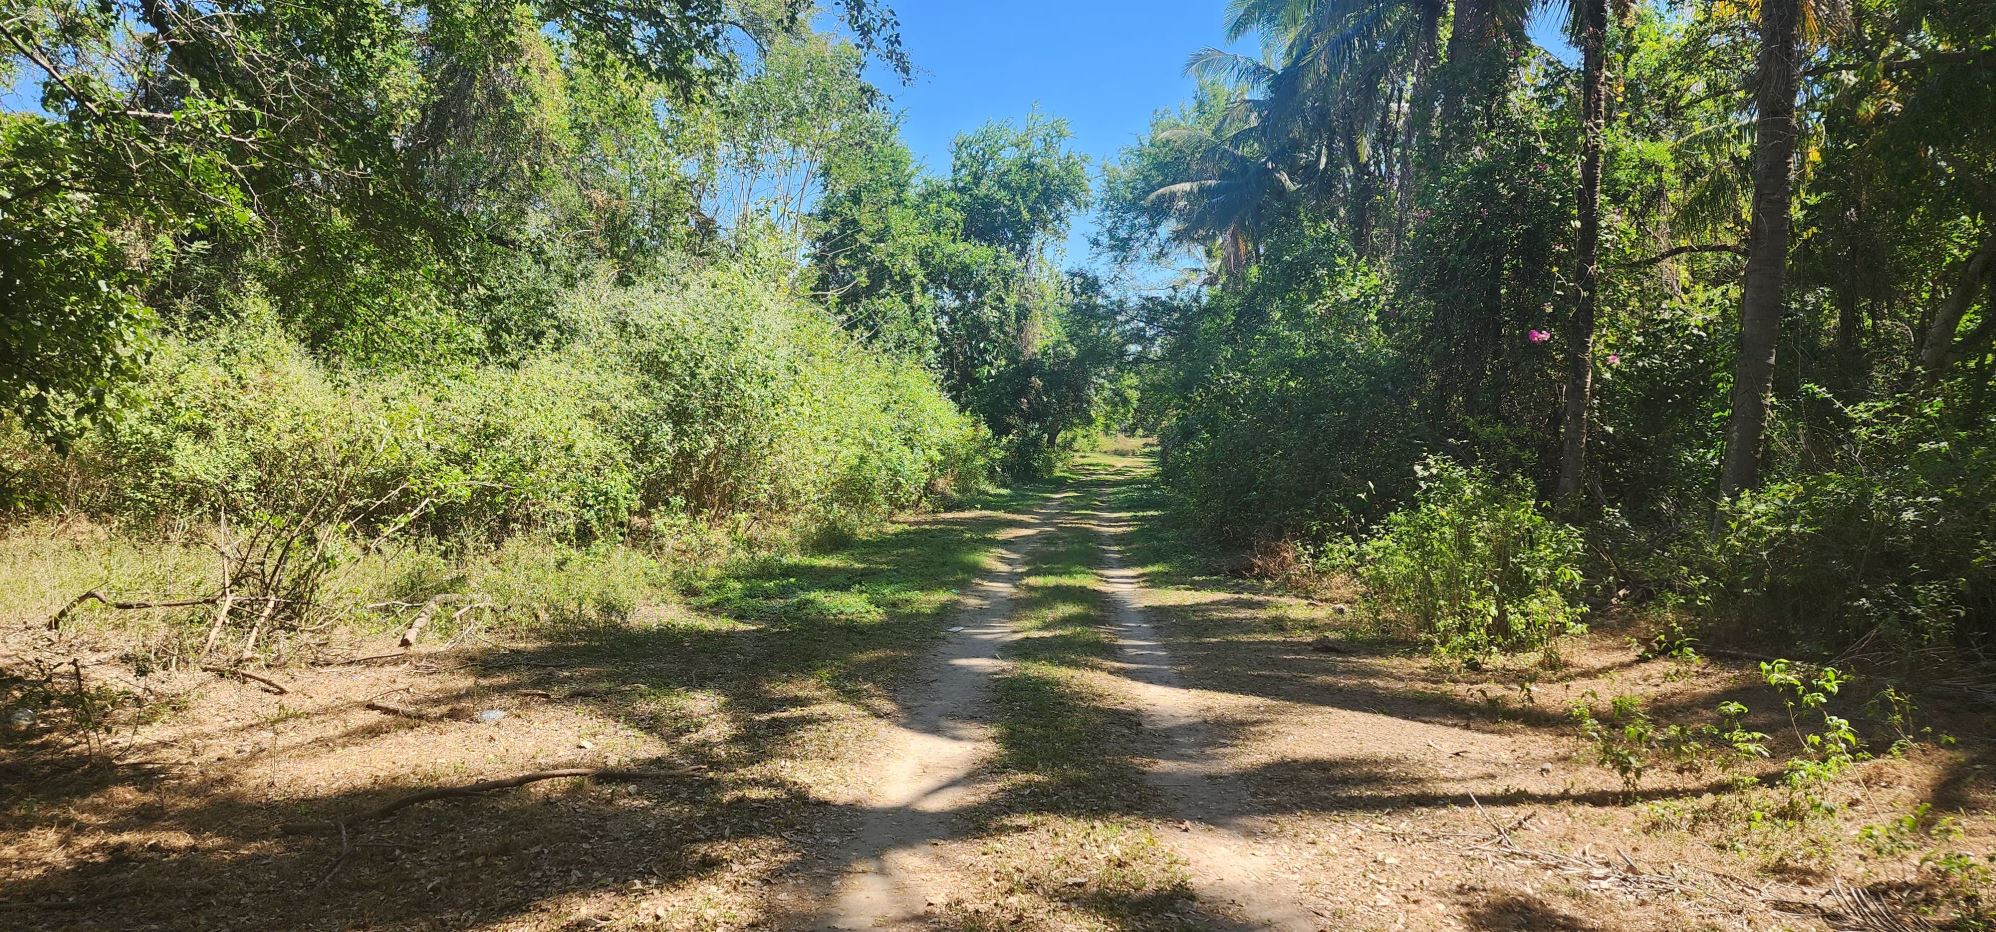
(1104, 65)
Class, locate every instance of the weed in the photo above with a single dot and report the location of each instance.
(1908, 832)
(1630, 743)
(1827, 751)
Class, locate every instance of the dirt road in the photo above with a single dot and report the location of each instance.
(935, 765)
(1047, 713)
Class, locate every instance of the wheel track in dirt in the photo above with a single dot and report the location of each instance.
(932, 756)
(936, 751)
(1223, 862)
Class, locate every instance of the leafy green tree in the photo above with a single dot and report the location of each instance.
(1018, 187)
(779, 128)
(396, 175)
(74, 329)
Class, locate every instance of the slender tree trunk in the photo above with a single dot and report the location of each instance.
(1941, 348)
(1580, 339)
(1414, 134)
(1761, 306)
(1468, 54)
(1361, 197)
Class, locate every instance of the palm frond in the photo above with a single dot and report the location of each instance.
(1232, 67)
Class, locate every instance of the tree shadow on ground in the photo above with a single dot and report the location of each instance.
(761, 649)
(1510, 912)
(1068, 767)
(1242, 629)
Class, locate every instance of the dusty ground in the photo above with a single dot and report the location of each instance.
(1048, 714)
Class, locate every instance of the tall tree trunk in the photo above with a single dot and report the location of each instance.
(1468, 54)
(1761, 305)
(1360, 202)
(1420, 105)
(1580, 338)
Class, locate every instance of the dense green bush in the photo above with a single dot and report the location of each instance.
(1287, 398)
(716, 394)
(1474, 565)
(1895, 534)
(745, 399)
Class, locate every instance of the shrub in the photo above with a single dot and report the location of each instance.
(745, 399)
(717, 395)
(1628, 741)
(1286, 399)
(1474, 565)
(719, 401)
(562, 588)
(1895, 534)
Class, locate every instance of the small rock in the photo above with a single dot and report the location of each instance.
(584, 745)
(1545, 769)
(21, 718)
(491, 716)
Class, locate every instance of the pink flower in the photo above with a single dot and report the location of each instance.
(1614, 359)
(1538, 336)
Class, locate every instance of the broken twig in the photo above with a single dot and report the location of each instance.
(268, 683)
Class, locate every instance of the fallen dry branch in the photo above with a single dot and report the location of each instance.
(474, 789)
(1872, 915)
(397, 657)
(274, 686)
(55, 621)
(428, 611)
(405, 712)
(584, 692)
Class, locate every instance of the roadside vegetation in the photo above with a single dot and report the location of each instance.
(1682, 340)
(398, 397)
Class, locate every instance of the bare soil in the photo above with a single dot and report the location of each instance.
(1050, 715)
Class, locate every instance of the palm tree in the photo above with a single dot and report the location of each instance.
(1345, 51)
(1592, 21)
(1783, 24)
(1346, 70)
(1235, 180)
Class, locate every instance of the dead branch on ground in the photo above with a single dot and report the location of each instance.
(274, 686)
(421, 715)
(475, 789)
(1633, 878)
(429, 611)
(55, 621)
